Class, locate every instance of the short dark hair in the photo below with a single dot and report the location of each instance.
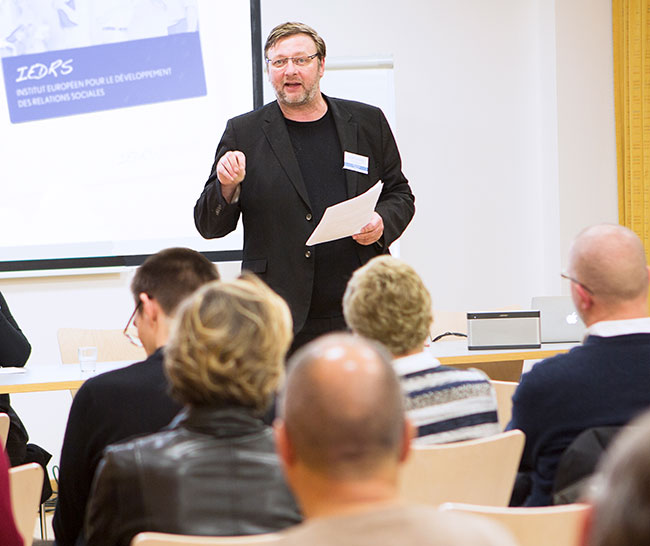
(171, 275)
(290, 29)
(344, 430)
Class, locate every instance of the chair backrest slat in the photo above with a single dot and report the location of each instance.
(556, 525)
(165, 539)
(26, 483)
(480, 471)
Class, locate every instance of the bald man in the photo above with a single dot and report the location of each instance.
(606, 380)
(342, 437)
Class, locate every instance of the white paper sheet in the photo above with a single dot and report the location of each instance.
(6, 371)
(346, 218)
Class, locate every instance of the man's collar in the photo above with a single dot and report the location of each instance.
(414, 363)
(611, 328)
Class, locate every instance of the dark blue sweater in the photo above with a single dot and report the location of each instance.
(605, 381)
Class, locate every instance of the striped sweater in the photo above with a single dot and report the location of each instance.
(446, 404)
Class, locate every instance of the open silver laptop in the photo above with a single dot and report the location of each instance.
(559, 320)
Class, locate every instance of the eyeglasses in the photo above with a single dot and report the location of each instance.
(131, 337)
(568, 278)
(300, 62)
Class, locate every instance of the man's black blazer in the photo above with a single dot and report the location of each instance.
(274, 204)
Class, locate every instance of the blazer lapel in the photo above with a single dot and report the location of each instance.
(277, 135)
(348, 131)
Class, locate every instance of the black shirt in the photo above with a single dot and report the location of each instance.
(320, 158)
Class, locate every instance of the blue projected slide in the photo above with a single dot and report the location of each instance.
(88, 79)
(110, 114)
(132, 53)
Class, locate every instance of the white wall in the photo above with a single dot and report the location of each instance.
(585, 114)
(491, 102)
(505, 122)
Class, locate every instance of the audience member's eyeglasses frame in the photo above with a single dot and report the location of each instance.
(568, 278)
(133, 339)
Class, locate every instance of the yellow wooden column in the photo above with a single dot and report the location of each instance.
(631, 32)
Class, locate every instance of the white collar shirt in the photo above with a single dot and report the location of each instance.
(415, 363)
(611, 328)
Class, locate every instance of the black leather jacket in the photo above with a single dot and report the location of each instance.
(210, 472)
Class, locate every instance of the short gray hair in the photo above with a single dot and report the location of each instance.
(290, 29)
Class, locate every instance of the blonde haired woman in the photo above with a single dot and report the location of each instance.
(213, 471)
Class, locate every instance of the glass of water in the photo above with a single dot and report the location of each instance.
(87, 359)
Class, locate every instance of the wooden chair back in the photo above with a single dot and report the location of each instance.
(541, 526)
(504, 391)
(4, 429)
(111, 345)
(165, 539)
(478, 471)
(26, 483)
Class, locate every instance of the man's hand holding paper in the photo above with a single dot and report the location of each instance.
(355, 217)
(371, 232)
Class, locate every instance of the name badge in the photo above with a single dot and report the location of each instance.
(355, 162)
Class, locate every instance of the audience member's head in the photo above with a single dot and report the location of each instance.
(387, 301)
(621, 490)
(341, 420)
(160, 284)
(171, 275)
(228, 345)
(607, 265)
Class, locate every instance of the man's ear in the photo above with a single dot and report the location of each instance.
(407, 436)
(584, 299)
(150, 307)
(283, 443)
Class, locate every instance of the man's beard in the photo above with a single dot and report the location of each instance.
(300, 99)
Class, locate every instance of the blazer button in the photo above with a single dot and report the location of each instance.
(307, 253)
(308, 216)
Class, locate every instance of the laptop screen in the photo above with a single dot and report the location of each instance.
(560, 322)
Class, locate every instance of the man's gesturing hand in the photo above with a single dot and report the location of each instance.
(231, 170)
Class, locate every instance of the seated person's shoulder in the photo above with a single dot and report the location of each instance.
(456, 528)
(130, 453)
(460, 375)
(560, 367)
(414, 524)
(94, 387)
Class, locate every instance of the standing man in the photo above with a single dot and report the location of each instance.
(281, 166)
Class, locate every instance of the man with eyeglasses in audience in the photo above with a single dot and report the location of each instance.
(130, 401)
(281, 166)
(605, 382)
(342, 437)
(213, 471)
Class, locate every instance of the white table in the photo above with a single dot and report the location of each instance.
(503, 364)
(35, 378)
